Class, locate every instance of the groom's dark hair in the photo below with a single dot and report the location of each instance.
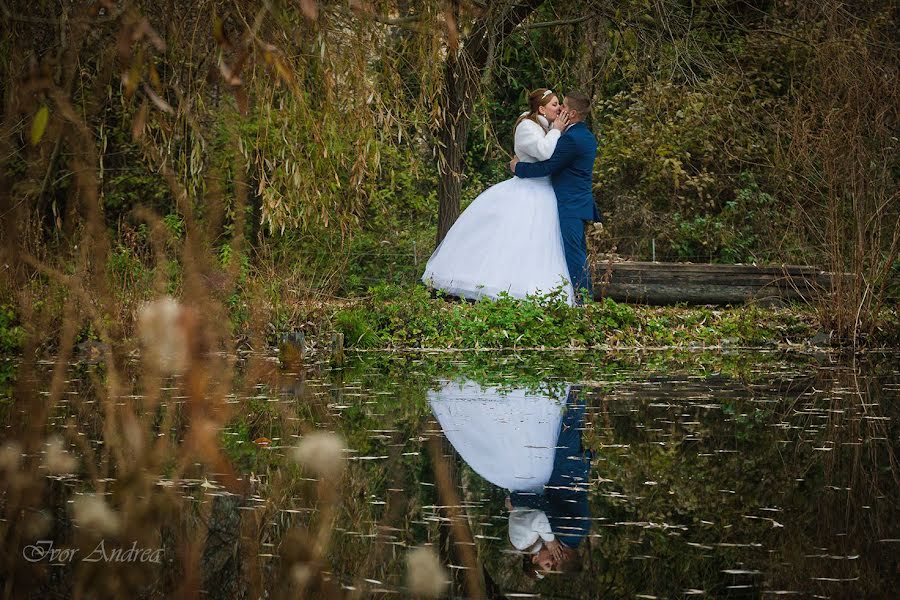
(579, 102)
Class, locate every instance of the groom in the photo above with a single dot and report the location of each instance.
(570, 169)
(565, 496)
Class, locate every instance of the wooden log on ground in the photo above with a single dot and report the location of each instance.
(671, 283)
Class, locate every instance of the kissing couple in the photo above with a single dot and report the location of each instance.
(529, 443)
(525, 236)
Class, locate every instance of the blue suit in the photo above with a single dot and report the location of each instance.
(570, 169)
(565, 497)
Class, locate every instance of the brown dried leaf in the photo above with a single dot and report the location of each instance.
(452, 31)
(154, 77)
(242, 99)
(157, 101)
(145, 30)
(283, 70)
(310, 9)
(125, 42)
(228, 75)
(132, 78)
(140, 121)
(362, 7)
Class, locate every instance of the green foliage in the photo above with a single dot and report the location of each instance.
(174, 224)
(132, 186)
(353, 323)
(671, 165)
(396, 234)
(128, 180)
(737, 233)
(407, 317)
(237, 301)
(129, 275)
(12, 335)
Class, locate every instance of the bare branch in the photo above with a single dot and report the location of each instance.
(396, 20)
(559, 22)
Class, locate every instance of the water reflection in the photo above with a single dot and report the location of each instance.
(531, 446)
(508, 436)
(746, 475)
(563, 503)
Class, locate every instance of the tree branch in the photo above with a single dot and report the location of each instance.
(555, 23)
(395, 21)
(109, 16)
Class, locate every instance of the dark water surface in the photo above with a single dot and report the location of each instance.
(741, 475)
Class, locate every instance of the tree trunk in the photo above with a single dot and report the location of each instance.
(462, 87)
(459, 94)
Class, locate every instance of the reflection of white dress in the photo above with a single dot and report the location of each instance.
(509, 438)
(508, 239)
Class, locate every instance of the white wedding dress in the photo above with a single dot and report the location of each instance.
(508, 239)
(507, 437)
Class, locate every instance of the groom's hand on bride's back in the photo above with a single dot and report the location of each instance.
(513, 163)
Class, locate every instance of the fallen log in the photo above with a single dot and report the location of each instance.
(672, 283)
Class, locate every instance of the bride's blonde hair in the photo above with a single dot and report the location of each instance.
(536, 99)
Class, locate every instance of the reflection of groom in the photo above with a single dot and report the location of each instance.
(570, 169)
(565, 496)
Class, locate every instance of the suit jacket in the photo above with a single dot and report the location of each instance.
(570, 169)
(565, 497)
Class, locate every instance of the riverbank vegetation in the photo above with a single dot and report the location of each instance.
(185, 186)
(273, 157)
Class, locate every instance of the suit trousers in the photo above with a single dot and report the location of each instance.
(575, 247)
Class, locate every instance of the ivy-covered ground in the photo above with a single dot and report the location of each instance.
(411, 317)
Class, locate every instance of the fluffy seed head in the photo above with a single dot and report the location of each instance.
(56, 459)
(322, 452)
(301, 575)
(425, 575)
(161, 327)
(10, 456)
(92, 512)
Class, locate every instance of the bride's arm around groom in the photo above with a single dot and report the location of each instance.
(532, 141)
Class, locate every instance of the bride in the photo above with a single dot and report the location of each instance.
(508, 239)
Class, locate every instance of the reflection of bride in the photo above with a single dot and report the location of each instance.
(508, 239)
(508, 438)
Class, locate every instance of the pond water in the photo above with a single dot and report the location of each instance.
(552, 475)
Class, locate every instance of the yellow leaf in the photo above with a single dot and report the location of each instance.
(39, 125)
(219, 31)
(283, 70)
